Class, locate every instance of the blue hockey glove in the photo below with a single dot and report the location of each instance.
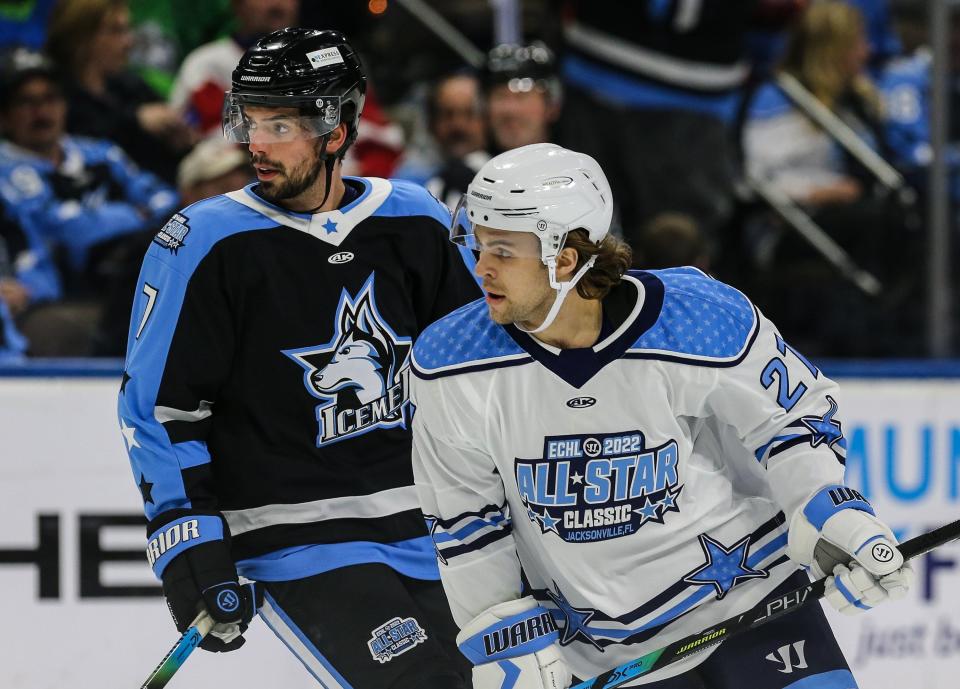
(836, 532)
(514, 644)
(191, 555)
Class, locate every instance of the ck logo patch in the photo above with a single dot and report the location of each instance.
(362, 375)
(172, 235)
(395, 637)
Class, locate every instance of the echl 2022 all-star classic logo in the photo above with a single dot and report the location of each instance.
(362, 375)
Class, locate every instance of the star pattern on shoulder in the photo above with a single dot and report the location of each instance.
(330, 226)
(825, 429)
(725, 567)
(145, 488)
(575, 619)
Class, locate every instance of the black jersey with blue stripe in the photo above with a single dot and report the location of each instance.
(267, 366)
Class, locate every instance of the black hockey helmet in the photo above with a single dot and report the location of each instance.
(522, 68)
(315, 71)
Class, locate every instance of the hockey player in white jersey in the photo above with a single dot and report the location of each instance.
(610, 460)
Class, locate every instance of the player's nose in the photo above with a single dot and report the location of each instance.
(483, 268)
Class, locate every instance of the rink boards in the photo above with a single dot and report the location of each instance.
(83, 607)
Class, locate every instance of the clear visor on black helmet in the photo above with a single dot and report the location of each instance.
(268, 119)
(513, 237)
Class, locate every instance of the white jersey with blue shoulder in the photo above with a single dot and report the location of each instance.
(643, 484)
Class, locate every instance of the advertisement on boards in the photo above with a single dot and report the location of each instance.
(83, 609)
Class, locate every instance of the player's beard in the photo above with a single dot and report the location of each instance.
(291, 184)
(530, 313)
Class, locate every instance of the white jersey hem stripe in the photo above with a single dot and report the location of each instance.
(371, 506)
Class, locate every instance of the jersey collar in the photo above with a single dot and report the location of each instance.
(577, 366)
(332, 227)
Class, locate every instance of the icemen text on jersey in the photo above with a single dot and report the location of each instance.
(292, 422)
(644, 482)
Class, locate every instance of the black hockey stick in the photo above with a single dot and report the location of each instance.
(762, 612)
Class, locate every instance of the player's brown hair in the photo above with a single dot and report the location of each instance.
(613, 259)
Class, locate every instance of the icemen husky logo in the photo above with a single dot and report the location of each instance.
(362, 374)
(597, 487)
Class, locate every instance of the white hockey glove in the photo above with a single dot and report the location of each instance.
(514, 644)
(836, 532)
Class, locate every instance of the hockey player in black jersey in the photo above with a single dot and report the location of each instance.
(265, 401)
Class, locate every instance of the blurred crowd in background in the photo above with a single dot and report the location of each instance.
(110, 122)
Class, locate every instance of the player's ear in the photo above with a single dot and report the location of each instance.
(566, 263)
(338, 137)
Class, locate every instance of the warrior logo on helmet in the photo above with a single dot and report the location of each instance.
(362, 374)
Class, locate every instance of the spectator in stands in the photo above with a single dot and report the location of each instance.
(204, 75)
(827, 53)
(905, 84)
(516, 100)
(523, 95)
(214, 166)
(28, 275)
(457, 128)
(90, 42)
(455, 115)
(671, 240)
(651, 92)
(80, 197)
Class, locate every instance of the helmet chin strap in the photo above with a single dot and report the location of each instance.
(563, 288)
(327, 171)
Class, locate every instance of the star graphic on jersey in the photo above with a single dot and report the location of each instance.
(577, 478)
(531, 515)
(123, 382)
(648, 512)
(824, 428)
(575, 619)
(330, 226)
(128, 435)
(669, 500)
(725, 567)
(549, 523)
(145, 488)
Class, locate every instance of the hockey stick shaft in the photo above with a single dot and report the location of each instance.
(766, 610)
(177, 656)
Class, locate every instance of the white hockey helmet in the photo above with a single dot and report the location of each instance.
(543, 189)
